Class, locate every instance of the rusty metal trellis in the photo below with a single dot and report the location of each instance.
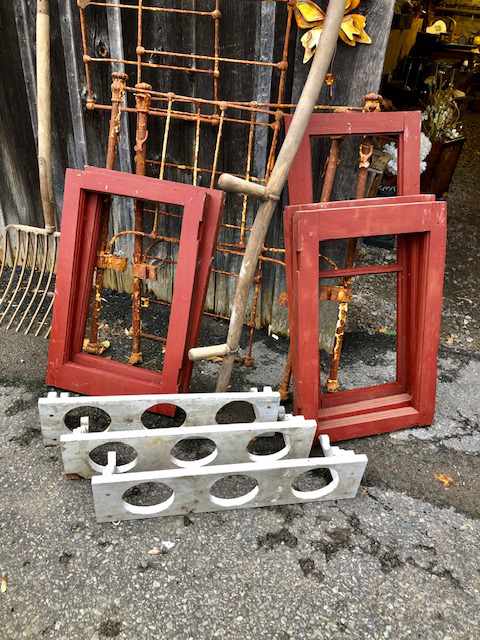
(209, 115)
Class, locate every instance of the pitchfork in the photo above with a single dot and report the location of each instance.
(28, 254)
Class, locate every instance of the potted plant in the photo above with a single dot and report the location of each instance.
(441, 124)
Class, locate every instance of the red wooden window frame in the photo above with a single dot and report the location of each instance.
(420, 226)
(70, 368)
(291, 255)
(405, 124)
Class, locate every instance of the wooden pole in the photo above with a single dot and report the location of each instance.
(44, 114)
(275, 185)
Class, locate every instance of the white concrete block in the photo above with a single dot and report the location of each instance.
(193, 491)
(154, 447)
(125, 411)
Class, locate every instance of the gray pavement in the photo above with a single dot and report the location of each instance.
(399, 561)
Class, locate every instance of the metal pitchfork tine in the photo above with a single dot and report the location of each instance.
(27, 291)
(30, 254)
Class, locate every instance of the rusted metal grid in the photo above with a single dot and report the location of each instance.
(208, 124)
(209, 64)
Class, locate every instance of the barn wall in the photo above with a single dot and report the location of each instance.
(79, 135)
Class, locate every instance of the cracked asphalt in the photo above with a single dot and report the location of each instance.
(399, 561)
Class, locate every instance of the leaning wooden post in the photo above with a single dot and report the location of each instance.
(271, 193)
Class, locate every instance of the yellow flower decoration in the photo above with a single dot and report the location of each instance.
(309, 16)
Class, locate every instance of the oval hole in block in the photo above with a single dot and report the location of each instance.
(315, 483)
(191, 452)
(127, 457)
(163, 416)
(268, 446)
(236, 412)
(148, 498)
(233, 491)
(98, 419)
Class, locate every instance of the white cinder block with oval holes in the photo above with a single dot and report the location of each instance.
(199, 490)
(122, 413)
(148, 450)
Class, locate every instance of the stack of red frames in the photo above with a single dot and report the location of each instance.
(68, 367)
(420, 226)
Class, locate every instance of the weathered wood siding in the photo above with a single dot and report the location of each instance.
(80, 135)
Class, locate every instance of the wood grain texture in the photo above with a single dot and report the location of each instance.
(19, 189)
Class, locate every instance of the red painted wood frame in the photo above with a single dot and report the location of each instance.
(208, 240)
(290, 214)
(405, 124)
(421, 230)
(70, 368)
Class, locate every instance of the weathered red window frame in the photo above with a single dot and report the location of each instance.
(210, 226)
(405, 124)
(291, 255)
(70, 368)
(421, 230)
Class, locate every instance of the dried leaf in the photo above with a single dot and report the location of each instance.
(349, 28)
(344, 38)
(350, 5)
(310, 41)
(353, 28)
(360, 22)
(446, 480)
(309, 15)
(4, 583)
